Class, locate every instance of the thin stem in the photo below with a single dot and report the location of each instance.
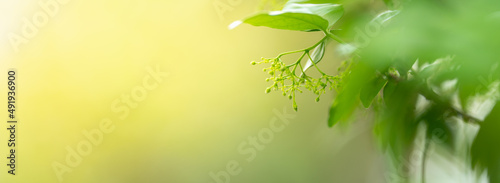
(424, 159)
(312, 61)
(298, 62)
(303, 50)
(334, 37)
(290, 52)
(319, 42)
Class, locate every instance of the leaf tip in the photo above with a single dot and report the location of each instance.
(332, 118)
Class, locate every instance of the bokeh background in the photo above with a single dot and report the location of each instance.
(91, 52)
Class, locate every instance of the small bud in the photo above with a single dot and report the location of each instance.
(290, 97)
(268, 90)
(284, 94)
(253, 62)
(271, 72)
(265, 69)
(317, 99)
(295, 108)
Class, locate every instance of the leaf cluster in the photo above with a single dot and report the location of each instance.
(432, 66)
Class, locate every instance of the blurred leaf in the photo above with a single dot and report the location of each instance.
(485, 149)
(403, 66)
(436, 68)
(396, 126)
(389, 3)
(348, 98)
(466, 89)
(438, 130)
(388, 91)
(370, 91)
(385, 16)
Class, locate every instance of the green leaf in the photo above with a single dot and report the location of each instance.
(298, 17)
(485, 150)
(317, 54)
(285, 21)
(308, 1)
(389, 89)
(348, 98)
(370, 91)
(439, 130)
(330, 12)
(396, 127)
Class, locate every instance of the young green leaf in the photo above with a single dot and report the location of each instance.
(317, 54)
(298, 17)
(308, 1)
(286, 21)
(330, 12)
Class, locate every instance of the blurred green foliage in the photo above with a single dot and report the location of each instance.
(427, 63)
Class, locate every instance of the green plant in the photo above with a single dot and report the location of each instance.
(427, 67)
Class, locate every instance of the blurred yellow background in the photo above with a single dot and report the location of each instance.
(91, 53)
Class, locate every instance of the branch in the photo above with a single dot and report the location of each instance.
(433, 96)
